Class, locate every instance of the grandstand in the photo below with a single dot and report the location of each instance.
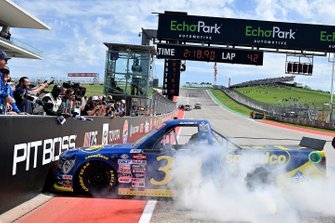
(266, 81)
(13, 16)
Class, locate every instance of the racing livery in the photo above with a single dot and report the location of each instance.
(144, 167)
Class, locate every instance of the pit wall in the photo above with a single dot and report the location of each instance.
(29, 146)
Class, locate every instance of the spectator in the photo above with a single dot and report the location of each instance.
(5, 32)
(110, 111)
(94, 107)
(119, 110)
(4, 96)
(22, 89)
(8, 103)
(52, 101)
(68, 102)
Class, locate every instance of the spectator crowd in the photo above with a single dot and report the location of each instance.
(66, 100)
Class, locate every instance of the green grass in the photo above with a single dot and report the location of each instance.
(285, 95)
(224, 99)
(91, 90)
(230, 103)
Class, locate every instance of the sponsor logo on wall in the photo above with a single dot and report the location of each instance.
(27, 153)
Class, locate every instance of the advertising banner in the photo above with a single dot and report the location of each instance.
(241, 32)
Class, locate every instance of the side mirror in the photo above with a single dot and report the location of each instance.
(333, 143)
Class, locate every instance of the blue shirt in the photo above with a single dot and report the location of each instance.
(5, 91)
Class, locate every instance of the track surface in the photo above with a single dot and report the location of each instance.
(234, 125)
(224, 121)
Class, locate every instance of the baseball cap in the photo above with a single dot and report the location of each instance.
(95, 98)
(6, 68)
(3, 55)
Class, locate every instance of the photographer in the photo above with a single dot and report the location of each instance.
(94, 107)
(25, 88)
(51, 102)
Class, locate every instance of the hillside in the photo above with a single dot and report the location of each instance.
(285, 95)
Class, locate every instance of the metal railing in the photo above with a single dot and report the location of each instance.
(296, 113)
(23, 45)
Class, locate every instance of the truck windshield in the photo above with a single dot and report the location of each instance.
(147, 136)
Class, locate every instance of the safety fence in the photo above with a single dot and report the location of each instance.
(308, 115)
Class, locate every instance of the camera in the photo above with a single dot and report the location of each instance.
(79, 91)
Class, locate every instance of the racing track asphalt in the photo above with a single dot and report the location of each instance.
(234, 125)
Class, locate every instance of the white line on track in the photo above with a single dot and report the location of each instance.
(148, 211)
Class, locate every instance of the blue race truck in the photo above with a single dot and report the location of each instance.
(144, 167)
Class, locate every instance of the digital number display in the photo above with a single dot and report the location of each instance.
(209, 54)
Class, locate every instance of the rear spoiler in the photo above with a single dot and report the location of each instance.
(312, 143)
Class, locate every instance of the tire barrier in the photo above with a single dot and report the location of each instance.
(31, 145)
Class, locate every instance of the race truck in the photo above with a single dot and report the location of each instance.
(144, 167)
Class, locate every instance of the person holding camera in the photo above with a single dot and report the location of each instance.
(51, 102)
(24, 89)
(94, 107)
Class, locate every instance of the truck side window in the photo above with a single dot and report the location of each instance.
(167, 141)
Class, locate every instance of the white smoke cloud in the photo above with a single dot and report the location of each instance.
(222, 194)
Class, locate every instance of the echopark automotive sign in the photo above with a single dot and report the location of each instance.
(241, 32)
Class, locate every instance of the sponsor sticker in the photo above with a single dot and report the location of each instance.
(67, 166)
(125, 175)
(138, 166)
(139, 175)
(124, 169)
(124, 161)
(67, 177)
(135, 151)
(137, 185)
(139, 156)
(124, 156)
(137, 180)
(139, 162)
(124, 180)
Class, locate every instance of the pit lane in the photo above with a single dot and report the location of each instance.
(239, 128)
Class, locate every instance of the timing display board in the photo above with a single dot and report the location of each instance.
(171, 78)
(209, 54)
(241, 32)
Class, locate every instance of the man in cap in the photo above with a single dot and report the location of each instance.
(5, 96)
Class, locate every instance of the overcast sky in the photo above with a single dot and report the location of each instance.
(79, 28)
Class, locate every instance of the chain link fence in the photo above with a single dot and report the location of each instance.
(296, 113)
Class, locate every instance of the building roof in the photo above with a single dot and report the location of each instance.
(17, 51)
(133, 48)
(14, 16)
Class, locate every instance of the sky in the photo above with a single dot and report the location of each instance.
(80, 27)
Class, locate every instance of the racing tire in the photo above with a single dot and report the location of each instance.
(97, 179)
